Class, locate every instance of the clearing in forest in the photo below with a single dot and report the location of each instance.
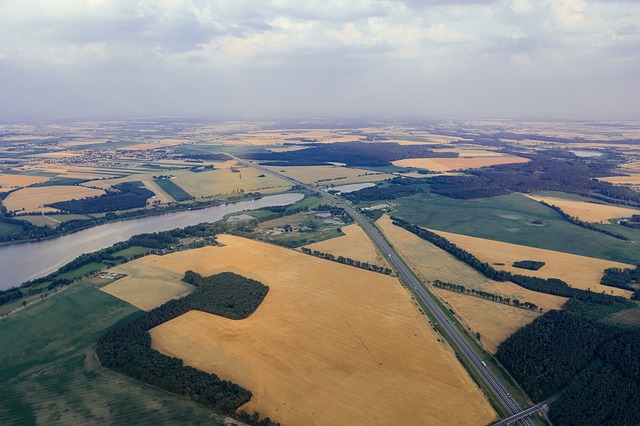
(459, 163)
(32, 200)
(354, 244)
(588, 212)
(329, 174)
(578, 271)
(330, 344)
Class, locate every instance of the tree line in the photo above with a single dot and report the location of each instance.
(553, 286)
(622, 278)
(348, 261)
(31, 232)
(550, 170)
(486, 295)
(127, 349)
(127, 195)
(583, 224)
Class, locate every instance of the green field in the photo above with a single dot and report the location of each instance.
(54, 220)
(50, 376)
(510, 219)
(173, 190)
(81, 271)
(8, 229)
(133, 251)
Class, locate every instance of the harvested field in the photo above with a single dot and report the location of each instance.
(330, 174)
(588, 212)
(220, 181)
(8, 181)
(225, 181)
(473, 153)
(330, 344)
(161, 195)
(288, 149)
(354, 244)
(577, 271)
(33, 199)
(147, 286)
(631, 179)
(431, 263)
(448, 164)
(494, 321)
(280, 137)
(161, 143)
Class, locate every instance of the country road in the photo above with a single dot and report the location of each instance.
(405, 274)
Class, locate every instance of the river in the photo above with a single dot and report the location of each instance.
(26, 261)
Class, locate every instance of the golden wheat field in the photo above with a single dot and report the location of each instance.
(330, 344)
(354, 244)
(588, 212)
(630, 179)
(494, 321)
(220, 181)
(577, 271)
(160, 194)
(153, 144)
(147, 286)
(460, 163)
(9, 181)
(431, 263)
(34, 199)
(225, 181)
(329, 174)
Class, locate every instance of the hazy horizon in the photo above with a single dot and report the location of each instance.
(566, 59)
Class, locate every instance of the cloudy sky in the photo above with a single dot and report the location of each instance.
(368, 58)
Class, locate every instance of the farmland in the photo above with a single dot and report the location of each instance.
(431, 263)
(512, 219)
(50, 374)
(293, 352)
(146, 286)
(459, 163)
(225, 181)
(329, 174)
(34, 199)
(577, 271)
(354, 244)
(13, 181)
(494, 321)
(585, 211)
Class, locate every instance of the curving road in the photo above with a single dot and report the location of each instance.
(404, 273)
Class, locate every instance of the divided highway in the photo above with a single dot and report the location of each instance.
(405, 274)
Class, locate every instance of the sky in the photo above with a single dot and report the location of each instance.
(265, 59)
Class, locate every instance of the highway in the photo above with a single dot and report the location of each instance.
(405, 274)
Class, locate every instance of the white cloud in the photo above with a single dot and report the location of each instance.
(521, 7)
(279, 42)
(569, 13)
